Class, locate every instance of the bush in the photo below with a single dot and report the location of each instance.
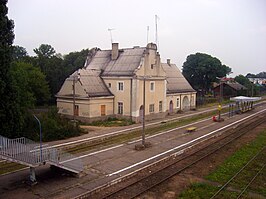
(54, 127)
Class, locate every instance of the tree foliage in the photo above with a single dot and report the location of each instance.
(44, 50)
(23, 84)
(10, 115)
(18, 53)
(201, 70)
(31, 83)
(57, 68)
(253, 89)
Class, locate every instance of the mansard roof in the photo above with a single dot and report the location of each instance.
(127, 62)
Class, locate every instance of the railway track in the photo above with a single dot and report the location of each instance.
(149, 178)
(245, 167)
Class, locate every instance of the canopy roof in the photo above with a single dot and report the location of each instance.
(245, 99)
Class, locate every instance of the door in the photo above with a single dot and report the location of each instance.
(103, 110)
(171, 107)
(76, 111)
(185, 103)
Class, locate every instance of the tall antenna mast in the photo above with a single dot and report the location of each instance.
(156, 31)
(148, 28)
(110, 30)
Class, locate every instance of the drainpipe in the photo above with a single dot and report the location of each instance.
(180, 102)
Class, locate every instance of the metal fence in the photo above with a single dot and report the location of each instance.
(25, 151)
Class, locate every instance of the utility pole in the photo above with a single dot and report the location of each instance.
(74, 98)
(221, 91)
(148, 28)
(143, 113)
(156, 31)
(110, 30)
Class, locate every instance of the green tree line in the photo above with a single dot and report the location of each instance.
(30, 81)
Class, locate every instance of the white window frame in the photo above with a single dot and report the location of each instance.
(152, 90)
(151, 108)
(177, 102)
(123, 86)
(119, 110)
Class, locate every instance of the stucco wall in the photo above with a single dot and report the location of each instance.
(181, 106)
(151, 97)
(86, 107)
(123, 96)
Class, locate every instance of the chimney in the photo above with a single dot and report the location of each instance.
(169, 61)
(114, 51)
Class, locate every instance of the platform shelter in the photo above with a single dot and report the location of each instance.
(244, 103)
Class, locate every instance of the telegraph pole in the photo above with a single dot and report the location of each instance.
(74, 98)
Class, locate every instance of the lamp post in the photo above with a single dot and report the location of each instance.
(40, 127)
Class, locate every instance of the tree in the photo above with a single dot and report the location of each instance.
(261, 75)
(31, 84)
(201, 70)
(18, 53)
(252, 88)
(250, 75)
(10, 115)
(45, 50)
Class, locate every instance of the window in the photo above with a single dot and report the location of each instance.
(160, 106)
(109, 85)
(177, 103)
(152, 86)
(120, 108)
(151, 108)
(120, 86)
(152, 65)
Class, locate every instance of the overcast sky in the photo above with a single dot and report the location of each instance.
(234, 31)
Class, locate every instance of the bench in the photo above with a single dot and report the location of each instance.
(191, 129)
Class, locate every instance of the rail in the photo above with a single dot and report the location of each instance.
(233, 177)
(154, 178)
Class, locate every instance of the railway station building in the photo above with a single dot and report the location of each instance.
(116, 82)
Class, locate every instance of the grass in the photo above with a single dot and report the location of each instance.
(111, 122)
(235, 162)
(231, 166)
(6, 167)
(203, 191)
(126, 137)
(238, 160)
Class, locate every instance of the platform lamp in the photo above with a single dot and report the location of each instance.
(40, 127)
